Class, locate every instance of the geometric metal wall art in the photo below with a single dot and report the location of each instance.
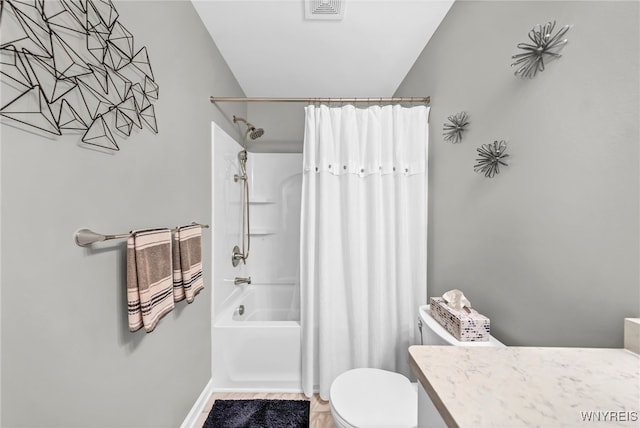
(456, 126)
(544, 46)
(491, 157)
(71, 66)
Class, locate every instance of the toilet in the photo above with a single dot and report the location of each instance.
(366, 397)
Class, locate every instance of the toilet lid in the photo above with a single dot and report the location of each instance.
(374, 398)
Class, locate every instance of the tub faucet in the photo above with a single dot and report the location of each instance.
(239, 280)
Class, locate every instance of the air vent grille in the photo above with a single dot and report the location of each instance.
(324, 9)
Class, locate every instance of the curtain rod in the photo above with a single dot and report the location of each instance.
(426, 100)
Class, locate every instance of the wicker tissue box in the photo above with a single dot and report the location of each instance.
(464, 326)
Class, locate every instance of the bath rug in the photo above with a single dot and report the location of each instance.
(258, 414)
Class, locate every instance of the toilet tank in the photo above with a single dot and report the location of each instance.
(434, 334)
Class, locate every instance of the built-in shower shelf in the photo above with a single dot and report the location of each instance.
(263, 232)
(262, 202)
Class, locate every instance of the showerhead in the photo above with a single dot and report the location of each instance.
(256, 133)
(253, 132)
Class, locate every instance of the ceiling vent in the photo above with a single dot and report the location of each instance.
(324, 9)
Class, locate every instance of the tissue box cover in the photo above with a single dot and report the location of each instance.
(464, 326)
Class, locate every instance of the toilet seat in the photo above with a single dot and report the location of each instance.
(363, 398)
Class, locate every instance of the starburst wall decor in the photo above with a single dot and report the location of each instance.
(491, 157)
(457, 125)
(543, 48)
(71, 66)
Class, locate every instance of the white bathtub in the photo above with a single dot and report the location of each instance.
(261, 350)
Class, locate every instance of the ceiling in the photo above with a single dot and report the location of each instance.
(273, 51)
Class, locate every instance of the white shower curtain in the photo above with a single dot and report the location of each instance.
(363, 251)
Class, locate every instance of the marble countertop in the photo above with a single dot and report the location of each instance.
(530, 386)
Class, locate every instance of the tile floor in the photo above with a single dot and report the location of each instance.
(320, 416)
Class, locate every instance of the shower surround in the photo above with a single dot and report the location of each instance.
(256, 348)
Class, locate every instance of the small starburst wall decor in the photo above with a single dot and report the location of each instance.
(491, 157)
(456, 126)
(544, 47)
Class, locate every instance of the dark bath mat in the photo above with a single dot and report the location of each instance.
(259, 414)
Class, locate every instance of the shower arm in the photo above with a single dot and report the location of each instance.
(250, 127)
(239, 119)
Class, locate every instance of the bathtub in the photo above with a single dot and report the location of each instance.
(261, 351)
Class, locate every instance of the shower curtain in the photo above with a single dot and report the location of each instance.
(363, 251)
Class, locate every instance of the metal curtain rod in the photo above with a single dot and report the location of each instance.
(426, 100)
(85, 237)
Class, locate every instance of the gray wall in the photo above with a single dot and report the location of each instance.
(283, 125)
(68, 359)
(548, 249)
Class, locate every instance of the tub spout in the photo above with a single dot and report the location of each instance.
(239, 280)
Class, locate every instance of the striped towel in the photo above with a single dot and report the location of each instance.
(187, 263)
(148, 278)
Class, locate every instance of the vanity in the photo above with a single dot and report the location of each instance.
(526, 386)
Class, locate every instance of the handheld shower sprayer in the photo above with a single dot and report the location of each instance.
(253, 133)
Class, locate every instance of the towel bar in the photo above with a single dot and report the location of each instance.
(86, 237)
